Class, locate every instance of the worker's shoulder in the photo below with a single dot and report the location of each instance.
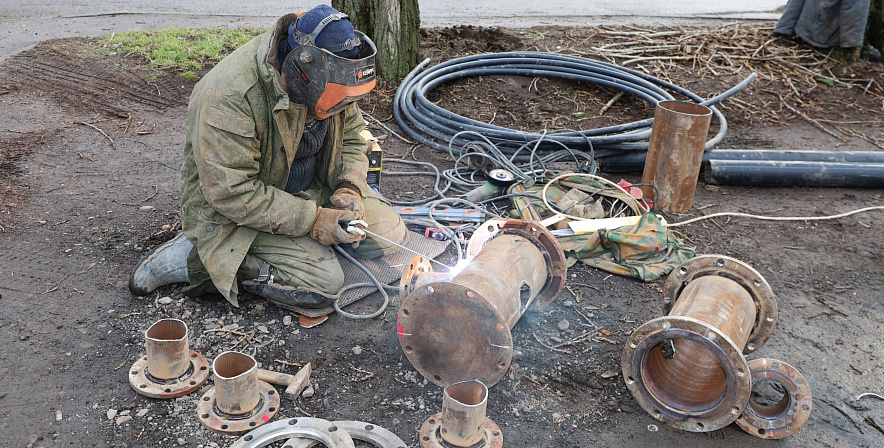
(232, 78)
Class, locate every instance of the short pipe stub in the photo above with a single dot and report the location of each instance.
(787, 414)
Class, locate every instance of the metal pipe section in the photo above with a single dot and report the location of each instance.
(775, 416)
(236, 383)
(463, 413)
(168, 349)
(794, 173)
(687, 368)
(456, 326)
(675, 153)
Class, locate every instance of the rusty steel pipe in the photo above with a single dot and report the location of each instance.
(456, 326)
(675, 153)
(785, 416)
(462, 422)
(687, 368)
(463, 413)
(168, 350)
(236, 383)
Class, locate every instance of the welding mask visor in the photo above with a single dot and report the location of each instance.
(327, 83)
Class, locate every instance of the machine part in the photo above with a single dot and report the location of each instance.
(362, 431)
(324, 431)
(484, 299)
(420, 118)
(485, 191)
(788, 174)
(462, 422)
(787, 415)
(239, 402)
(634, 161)
(686, 369)
(170, 369)
(737, 271)
(442, 214)
(294, 384)
(675, 153)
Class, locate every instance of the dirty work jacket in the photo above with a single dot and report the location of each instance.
(241, 136)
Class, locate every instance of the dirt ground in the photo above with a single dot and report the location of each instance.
(89, 153)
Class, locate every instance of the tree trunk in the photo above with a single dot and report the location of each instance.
(875, 27)
(394, 26)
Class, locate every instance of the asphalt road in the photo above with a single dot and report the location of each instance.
(24, 23)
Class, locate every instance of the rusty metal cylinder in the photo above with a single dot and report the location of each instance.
(687, 368)
(463, 413)
(236, 383)
(456, 327)
(168, 349)
(675, 153)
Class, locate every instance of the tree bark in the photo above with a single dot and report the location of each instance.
(394, 26)
(875, 26)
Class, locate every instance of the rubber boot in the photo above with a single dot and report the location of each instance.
(166, 265)
(287, 297)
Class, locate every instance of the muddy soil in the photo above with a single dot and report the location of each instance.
(90, 149)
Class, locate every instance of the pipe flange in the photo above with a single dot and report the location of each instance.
(788, 415)
(700, 419)
(419, 265)
(363, 431)
(482, 352)
(541, 237)
(737, 271)
(145, 384)
(431, 436)
(326, 432)
(216, 421)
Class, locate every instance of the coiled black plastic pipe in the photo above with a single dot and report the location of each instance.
(435, 127)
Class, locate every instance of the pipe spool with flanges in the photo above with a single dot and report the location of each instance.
(687, 369)
(169, 369)
(239, 401)
(455, 326)
(462, 422)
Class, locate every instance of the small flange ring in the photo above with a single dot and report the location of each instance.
(419, 265)
(363, 431)
(430, 436)
(326, 432)
(736, 370)
(193, 379)
(788, 415)
(737, 271)
(216, 421)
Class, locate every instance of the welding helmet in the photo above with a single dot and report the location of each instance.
(322, 80)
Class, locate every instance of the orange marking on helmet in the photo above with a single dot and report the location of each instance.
(336, 93)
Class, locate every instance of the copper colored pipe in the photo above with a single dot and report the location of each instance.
(168, 351)
(236, 383)
(463, 413)
(687, 369)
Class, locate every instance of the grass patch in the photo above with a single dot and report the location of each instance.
(185, 50)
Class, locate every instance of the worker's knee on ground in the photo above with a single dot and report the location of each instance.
(298, 261)
(383, 220)
(325, 275)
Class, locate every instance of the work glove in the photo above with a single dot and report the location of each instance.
(327, 228)
(347, 199)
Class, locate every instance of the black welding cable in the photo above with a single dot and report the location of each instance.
(420, 118)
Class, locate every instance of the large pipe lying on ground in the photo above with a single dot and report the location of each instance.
(455, 326)
(862, 169)
(687, 369)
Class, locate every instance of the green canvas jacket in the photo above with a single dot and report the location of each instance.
(241, 136)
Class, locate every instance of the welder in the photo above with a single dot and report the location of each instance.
(275, 168)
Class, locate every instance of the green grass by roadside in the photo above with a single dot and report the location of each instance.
(184, 50)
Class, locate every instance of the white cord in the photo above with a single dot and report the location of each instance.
(777, 218)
